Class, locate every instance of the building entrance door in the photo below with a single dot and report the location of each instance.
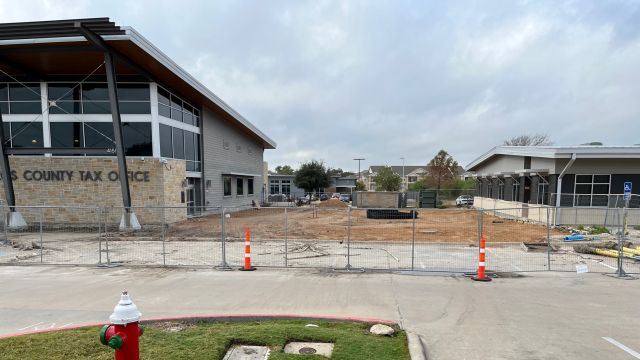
(191, 195)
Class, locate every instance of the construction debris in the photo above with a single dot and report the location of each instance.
(609, 249)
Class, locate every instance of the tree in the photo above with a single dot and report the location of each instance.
(312, 176)
(529, 140)
(284, 170)
(417, 186)
(387, 180)
(442, 168)
(335, 172)
(360, 186)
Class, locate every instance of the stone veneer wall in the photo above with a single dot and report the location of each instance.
(155, 185)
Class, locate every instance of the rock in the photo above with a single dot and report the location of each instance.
(381, 329)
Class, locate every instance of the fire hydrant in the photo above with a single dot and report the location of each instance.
(124, 331)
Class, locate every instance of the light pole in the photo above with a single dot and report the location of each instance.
(358, 160)
(404, 187)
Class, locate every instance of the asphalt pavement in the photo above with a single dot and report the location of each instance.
(544, 315)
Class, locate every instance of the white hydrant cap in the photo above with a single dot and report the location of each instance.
(125, 312)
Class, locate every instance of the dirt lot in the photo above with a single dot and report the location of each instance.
(435, 226)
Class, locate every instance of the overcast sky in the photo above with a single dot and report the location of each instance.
(334, 80)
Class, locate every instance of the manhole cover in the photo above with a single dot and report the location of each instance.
(309, 348)
(307, 351)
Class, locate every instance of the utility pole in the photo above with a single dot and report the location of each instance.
(358, 160)
(404, 185)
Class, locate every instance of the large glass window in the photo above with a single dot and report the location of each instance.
(515, 190)
(592, 190)
(178, 143)
(20, 98)
(99, 135)
(4, 98)
(274, 187)
(166, 142)
(173, 107)
(66, 98)
(226, 184)
(543, 191)
(6, 127)
(24, 99)
(67, 134)
(26, 134)
(250, 186)
(239, 186)
(189, 150)
(286, 187)
(137, 139)
(93, 98)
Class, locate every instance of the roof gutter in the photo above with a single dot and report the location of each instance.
(574, 156)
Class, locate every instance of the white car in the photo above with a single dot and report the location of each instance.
(464, 200)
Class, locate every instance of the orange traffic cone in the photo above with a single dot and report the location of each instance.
(481, 276)
(247, 252)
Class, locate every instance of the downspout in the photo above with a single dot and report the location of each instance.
(559, 187)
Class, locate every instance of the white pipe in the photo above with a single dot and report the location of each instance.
(559, 186)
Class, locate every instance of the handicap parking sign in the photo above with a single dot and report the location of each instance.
(627, 190)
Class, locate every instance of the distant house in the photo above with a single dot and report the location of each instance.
(284, 184)
(410, 174)
(586, 176)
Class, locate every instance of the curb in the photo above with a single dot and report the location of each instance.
(417, 350)
(217, 317)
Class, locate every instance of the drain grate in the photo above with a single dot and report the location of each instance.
(307, 351)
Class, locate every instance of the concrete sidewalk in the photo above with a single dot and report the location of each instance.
(540, 316)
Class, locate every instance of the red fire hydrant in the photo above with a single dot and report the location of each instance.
(124, 333)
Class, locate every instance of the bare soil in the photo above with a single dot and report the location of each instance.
(431, 226)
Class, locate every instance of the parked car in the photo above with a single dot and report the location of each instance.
(335, 196)
(464, 200)
(345, 197)
(324, 197)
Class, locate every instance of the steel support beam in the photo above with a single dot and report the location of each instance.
(129, 220)
(6, 171)
(60, 151)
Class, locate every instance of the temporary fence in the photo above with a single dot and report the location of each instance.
(317, 236)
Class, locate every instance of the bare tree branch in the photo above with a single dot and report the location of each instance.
(529, 140)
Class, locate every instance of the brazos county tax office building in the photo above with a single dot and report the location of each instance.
(85, 100)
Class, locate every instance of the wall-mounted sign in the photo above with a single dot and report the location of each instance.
(71, 175)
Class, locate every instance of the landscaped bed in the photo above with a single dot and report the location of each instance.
(210, 340)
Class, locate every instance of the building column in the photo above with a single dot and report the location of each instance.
(155, 123)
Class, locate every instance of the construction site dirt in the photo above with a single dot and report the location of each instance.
(430, 226)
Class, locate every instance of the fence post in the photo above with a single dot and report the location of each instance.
(99, 213)
(548, 240)
(286, 249)
(162, 234)
(223, 264)
(348, 238)
(106, 238)
(413, 239)
(41, 235)
(5, 224)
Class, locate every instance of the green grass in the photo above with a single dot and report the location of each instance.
(208, 340)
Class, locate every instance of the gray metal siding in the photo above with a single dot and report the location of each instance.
(242, 155)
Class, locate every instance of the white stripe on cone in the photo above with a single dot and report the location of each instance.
(481, 263)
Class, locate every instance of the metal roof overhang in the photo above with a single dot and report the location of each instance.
(559, 152)
(532, 172)
(49, 49)
(231, 173)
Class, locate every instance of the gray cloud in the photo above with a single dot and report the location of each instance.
(333, 80)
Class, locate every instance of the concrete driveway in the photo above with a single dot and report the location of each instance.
(539, 316)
